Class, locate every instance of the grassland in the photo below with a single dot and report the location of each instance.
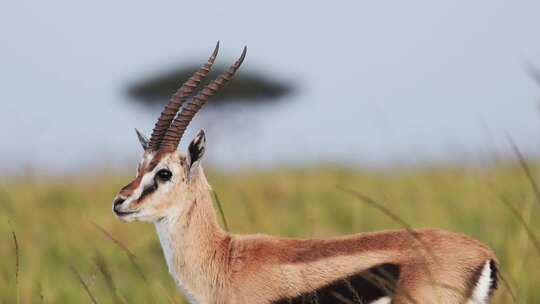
(62, 251)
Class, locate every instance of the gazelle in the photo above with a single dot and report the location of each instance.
(211, 265)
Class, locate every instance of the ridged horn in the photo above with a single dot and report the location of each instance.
(175, 103)
(174, 134)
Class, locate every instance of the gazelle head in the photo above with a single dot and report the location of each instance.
(164, 175)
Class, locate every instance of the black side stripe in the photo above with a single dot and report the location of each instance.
(363, 287)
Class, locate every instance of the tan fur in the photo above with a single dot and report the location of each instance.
(214, 266)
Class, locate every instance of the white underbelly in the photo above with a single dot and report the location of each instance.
(384, 300)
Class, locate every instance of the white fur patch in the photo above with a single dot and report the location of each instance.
(147, 180)
(165, 240)
(384, 300)
(480, 293)
(164, 231)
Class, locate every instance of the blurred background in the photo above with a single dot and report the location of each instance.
(412, 103)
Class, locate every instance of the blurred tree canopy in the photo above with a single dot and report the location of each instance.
(246, 87)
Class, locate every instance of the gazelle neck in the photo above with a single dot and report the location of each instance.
(194, 245)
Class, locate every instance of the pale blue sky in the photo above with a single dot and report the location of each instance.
(381, 82)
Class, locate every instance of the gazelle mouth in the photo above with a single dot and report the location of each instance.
(124, 213)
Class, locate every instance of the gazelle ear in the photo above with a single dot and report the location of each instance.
(142, 139)
(196, 150)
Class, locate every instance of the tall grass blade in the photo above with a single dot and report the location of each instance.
(381, 208)
(507, 286)
(103, 268)
(42, 298)
(220, 208)
(371, 202)
(165, 292)
(130, 255)
(526, 169)
(17, 264)
(80, 279)
(132, 258)
(532, 237)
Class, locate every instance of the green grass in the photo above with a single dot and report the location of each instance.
(64, 256)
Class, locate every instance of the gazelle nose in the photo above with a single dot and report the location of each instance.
(118, 201)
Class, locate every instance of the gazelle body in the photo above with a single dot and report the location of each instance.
(211, 265)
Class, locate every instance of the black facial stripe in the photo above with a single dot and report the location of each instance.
(149, 189)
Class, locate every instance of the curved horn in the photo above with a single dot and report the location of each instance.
(172, 137)
(177, 100)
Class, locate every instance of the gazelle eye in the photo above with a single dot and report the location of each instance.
(164, 174)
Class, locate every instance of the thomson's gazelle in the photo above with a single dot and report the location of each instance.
(213, 266)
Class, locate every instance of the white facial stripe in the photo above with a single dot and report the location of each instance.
(148, 180)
